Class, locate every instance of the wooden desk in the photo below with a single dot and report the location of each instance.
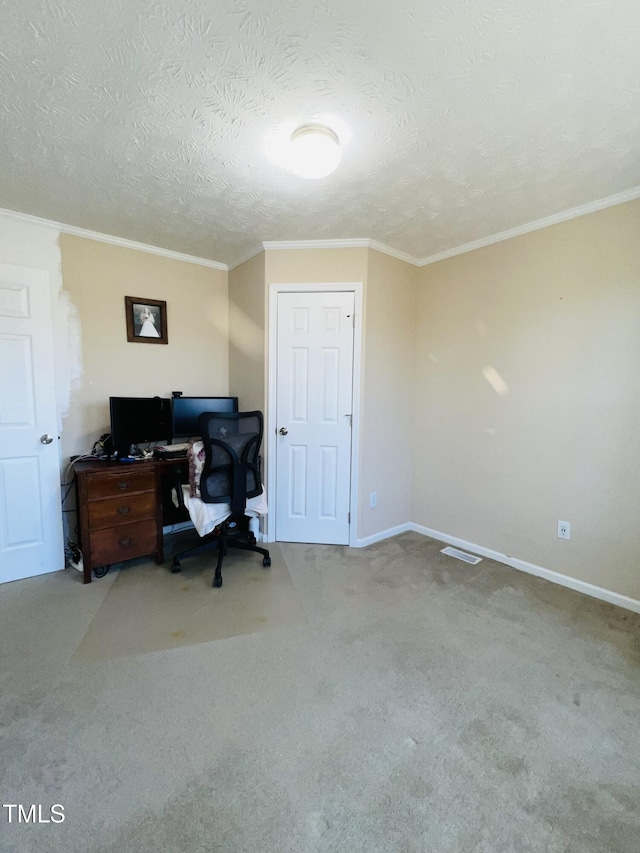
(120, 509)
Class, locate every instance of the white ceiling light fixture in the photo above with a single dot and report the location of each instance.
(314, 151)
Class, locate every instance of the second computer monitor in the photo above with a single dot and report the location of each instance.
(187, 410)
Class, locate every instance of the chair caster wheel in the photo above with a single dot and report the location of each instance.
(217, 582)
(101, 571)
(266, 562)
(176, 567)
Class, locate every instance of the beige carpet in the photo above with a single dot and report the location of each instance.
(148, 609)
(424, 705)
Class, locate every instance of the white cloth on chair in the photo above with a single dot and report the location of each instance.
(206, 517)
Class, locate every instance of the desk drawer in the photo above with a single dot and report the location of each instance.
(119, 483)
(121, 510)
(124, 542)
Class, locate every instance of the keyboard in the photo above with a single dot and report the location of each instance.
(171, 451)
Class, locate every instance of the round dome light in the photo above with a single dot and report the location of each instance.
(314, 151)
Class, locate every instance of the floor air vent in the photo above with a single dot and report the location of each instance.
(461, 555)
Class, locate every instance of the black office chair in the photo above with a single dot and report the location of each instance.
(230, 475)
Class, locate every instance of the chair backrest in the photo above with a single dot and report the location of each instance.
(231, 472)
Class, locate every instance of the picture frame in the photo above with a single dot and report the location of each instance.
(146, 320)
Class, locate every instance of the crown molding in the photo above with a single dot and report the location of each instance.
(246, 257)
(115, 241)
(563, 216)
(356, 243)
(394, 253)
(353, 243)
(536, 225)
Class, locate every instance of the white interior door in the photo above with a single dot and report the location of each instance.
(31, 540)
(314, 406)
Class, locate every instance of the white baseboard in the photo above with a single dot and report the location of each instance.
(530, 568)
(384, 534)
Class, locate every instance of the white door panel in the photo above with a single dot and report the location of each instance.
(314, 407)
(30, 513)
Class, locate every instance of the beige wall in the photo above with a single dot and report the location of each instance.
(527, 404)
(387, 400)
(307, 266)
(247, 319)
(97, 276)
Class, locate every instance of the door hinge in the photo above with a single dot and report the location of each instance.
(348, 518)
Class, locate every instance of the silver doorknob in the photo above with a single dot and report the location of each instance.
(283, 430)
(46, 438)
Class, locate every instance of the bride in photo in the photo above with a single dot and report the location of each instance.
(148, 328)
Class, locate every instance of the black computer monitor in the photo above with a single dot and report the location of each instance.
(139, 420)
(187, 410)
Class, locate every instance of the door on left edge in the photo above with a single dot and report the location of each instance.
(31, 539)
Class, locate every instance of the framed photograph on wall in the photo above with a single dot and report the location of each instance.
(146, 320)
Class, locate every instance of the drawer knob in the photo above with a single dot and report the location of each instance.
(126, 541)
(124, 510)
(122, 485)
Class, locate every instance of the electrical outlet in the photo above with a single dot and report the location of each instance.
(564, 530)
(373, 500)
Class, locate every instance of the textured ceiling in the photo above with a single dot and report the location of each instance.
(152, 120)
